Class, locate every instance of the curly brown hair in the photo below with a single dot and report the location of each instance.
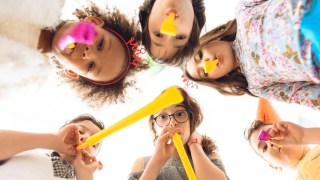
(97, 95)
(234, 83)
(188, 50)
(195, 118)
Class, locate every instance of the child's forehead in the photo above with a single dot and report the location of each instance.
(87, 124)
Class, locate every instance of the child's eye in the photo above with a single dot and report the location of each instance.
(81, 132)
(204, 73)
(90, 67)
(265, 148)
(101, 44)
(180, 37)
(158, 34)
(198, 56)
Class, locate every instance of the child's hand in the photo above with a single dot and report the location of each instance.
(286, 133)
(85, 165)
(164, 150)
(195, 138)
(68, 138)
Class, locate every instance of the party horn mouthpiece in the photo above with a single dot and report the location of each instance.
(82, 32)
(264, 135)
(209, 66)
(168, 27)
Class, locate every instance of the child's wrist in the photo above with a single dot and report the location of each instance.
(195, 141)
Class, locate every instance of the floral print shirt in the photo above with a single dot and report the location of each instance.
(277, 62)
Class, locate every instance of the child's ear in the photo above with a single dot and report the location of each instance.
(72, 74)
(275, 167)
(94, 19)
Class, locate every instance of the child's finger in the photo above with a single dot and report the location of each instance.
(163, 140)
(100, 165)
(281, 126)
(165, 130)
(72, 136)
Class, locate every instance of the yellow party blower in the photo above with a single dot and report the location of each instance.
(209, 65)
(183, 156)
(168, 27)
(169, 97)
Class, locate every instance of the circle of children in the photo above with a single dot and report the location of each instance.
(270, 51)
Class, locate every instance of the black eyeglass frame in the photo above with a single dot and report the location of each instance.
(172, 115)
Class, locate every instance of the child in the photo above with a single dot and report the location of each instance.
(260, 54)
(97, 72)
(189, 20)
(294, 153)
(64, 162)
(165, 163)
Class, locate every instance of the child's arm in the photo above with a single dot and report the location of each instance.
(14, 142)
(203, 166)
(286, 133)
(85, 165)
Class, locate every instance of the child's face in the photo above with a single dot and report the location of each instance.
(163, 46)
(105, 60)
(86, 129)
(221, 50)
(180, 115)
(287, 156)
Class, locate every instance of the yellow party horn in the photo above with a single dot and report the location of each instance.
(169, 97)
(209, 65)
(71, 46)
(168, 27)
(183, 156)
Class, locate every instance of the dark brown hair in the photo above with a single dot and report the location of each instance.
(195, 119)
(97, 95)
(234, 83)
(85, 117)
(255, 125)
(188, 50)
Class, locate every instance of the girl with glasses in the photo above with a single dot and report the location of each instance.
(165, 163)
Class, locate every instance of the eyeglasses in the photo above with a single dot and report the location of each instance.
(180, 116)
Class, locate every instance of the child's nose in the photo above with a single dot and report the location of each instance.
(83, 138)
(86, 52)
(173, 122)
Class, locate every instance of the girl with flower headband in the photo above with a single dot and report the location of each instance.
(288, 146)
(262, 53)
(97, 71)
(183, 118)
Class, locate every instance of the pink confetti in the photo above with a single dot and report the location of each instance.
(82, 32)
(264, 135)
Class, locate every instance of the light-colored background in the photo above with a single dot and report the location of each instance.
(44, 107)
